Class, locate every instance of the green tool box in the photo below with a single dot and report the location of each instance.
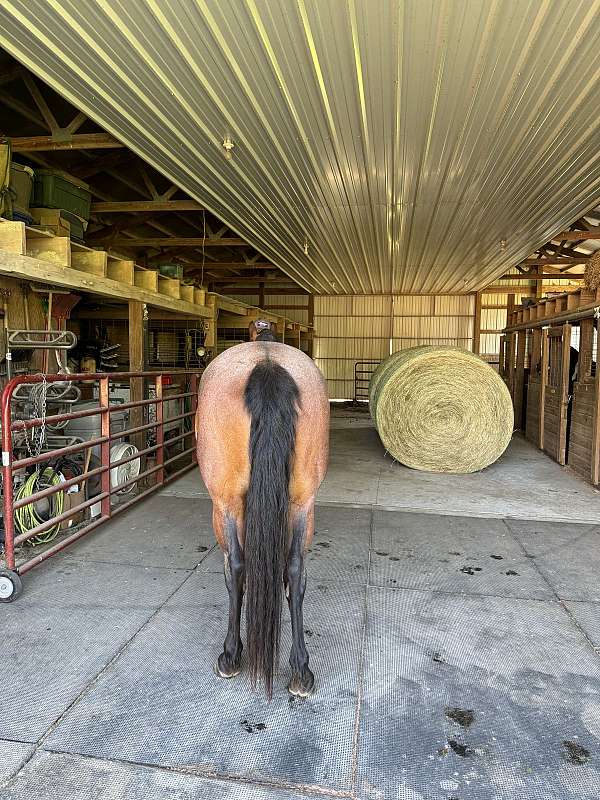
(55, 189)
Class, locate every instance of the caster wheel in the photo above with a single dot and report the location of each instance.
(11, 586)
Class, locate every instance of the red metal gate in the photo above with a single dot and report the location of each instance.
(108, 509)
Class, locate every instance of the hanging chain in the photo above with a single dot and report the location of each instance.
(39, 394)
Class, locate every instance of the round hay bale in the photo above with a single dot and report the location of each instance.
(441, 409)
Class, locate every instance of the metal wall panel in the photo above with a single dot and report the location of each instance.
(372, 306)
(332, 306)
(413, 305)
(371, 332)
(493, 299)
(493, 319)
(403, 140)
(450, 306)
(433, 327)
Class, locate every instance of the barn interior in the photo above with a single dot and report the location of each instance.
(367, 182)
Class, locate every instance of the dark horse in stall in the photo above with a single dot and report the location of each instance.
(262, 439)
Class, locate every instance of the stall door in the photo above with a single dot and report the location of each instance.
(556, 392)
(538, 366)
(584, 404)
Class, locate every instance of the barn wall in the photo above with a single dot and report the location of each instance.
(354, 328)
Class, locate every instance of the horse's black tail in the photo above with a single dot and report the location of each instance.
(271, 399)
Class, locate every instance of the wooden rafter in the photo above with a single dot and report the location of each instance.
(148, 182)
(537, 276)
(145, 205)
(21, 108)
(40, 101)
(578, 236)
(186, 241)
(80, 141)
(217, 266)
(76, 123)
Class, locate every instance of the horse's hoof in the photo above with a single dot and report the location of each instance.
(302, 686)
(224, 671)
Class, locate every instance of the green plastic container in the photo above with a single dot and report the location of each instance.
(77, 226)
(55, 189)
(21, 183)
(171, 270)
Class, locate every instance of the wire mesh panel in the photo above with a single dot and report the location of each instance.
(175, 343)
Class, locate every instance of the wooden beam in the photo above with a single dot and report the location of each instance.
(76, 123)
(254, 281)
(595, 471)
(129, 206)
(558, 262)
(138, 350)
(21, 108)
(170, 192)
(180, 241)
(35, 269)
(80, 141)
(477, 324)
(268, 290)
(40, 101)
(229, 265)
(537, 276)
(577, 236)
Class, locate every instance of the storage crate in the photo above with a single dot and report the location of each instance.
(55, 189)
(21, 184)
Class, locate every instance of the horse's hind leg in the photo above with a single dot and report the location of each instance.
(302, 681)
(229, 662)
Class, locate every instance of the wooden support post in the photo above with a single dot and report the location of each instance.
(477, 324)
(261, 294)
(519, 378)
(595, 476)
(510, 363)
(138, 326)
(564, 393)
(543, 385)
(210, 339)
(311, 320)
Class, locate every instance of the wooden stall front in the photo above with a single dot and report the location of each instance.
(557, 400)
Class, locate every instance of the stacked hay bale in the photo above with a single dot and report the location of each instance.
(441, 409)
(591, 276)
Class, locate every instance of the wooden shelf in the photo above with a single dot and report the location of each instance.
(35, 254)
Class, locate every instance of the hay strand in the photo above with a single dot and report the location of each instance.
(591, 276)
(441, 409)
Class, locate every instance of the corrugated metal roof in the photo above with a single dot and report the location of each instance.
(402, 140)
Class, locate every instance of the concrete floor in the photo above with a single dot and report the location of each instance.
(456, 649)
(523, 484)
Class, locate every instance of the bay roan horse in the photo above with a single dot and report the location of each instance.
(262, 437)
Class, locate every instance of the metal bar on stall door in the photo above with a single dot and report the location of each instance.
(160, 431)
(105, 447)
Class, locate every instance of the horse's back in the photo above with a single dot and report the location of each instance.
(223, 422)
